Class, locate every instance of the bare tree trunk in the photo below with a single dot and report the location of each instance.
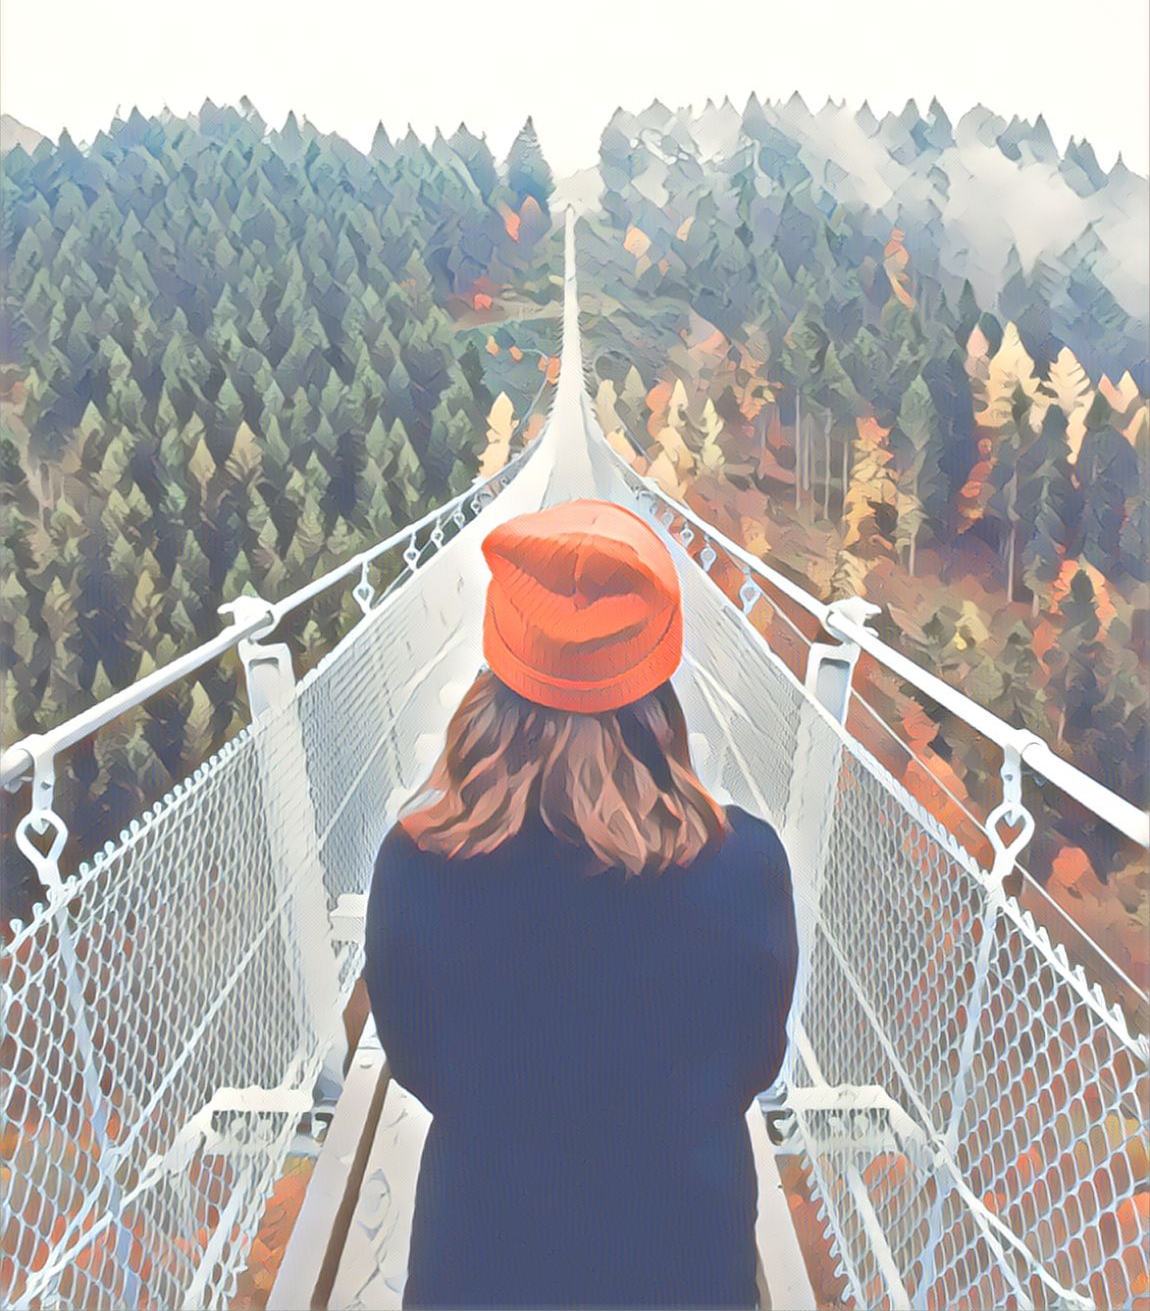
(806, 437)
(798, 446)
(810, 449)
(1010, 504)
(846, 474)
(45, 493)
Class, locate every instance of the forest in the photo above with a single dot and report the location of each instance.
(233, 355)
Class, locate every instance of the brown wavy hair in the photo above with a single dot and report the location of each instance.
(618, 784)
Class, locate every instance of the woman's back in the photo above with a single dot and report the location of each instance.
(588, 1044)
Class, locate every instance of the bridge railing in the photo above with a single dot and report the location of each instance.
(967, 1105)
(170, 1006)
(829, 672)
(170, 1003)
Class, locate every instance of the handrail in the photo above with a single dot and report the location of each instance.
(252, 616)
(1032, 750)
(256, 616)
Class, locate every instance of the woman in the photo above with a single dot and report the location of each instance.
(577, 961)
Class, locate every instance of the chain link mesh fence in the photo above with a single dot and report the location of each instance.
(169, 1012)
(971, 1114)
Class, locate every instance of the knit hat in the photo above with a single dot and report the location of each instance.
(583, 610)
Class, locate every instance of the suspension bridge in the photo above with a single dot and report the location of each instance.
(967, 1107)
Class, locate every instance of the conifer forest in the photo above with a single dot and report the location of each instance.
(234, 354)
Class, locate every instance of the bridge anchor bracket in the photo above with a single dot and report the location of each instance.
(42, 817)
(268, 668)
(830, 668)
(1010, 811)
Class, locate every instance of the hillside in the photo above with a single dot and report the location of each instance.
(14, 133)
(236, 354)
(1044, 238)
(814, 380)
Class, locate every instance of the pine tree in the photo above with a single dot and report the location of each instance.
(804, 348)
(528, 173)
(404, 475)
(1049, 503)
(920, 482)
(1014, 443)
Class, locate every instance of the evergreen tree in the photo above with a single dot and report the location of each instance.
(1048, 502)
(528, 173)
(921, 488)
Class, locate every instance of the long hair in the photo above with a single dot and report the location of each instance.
(619, 784)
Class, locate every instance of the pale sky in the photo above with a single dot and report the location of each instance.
(346, 64)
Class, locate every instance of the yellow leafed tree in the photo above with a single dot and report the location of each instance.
(1069, 385)
(711, 455)
(872, 485)
(607, 412)
(1010, 367)
(994, 380)
(673, 465)
(500, 428)
(870, 514)
(1131, 419)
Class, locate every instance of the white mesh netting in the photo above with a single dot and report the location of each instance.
(168, 1015)
(971, 1114)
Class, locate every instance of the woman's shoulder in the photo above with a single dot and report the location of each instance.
(754, 851)
(755, 832)
(396, 847)
(395, 862)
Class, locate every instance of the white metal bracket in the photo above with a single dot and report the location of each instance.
(248, 609)
(862, 1119)
(349, 918)
(363, 591)
(267, 668)
(854, 609)
(1010, 811)
(42, 818)
(830, 669)
(199, 1131)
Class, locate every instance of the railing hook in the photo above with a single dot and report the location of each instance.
(363, 591)
(42, 816)
(247, 609)
(1010, 811)
(854, 609)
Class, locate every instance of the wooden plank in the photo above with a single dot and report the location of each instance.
(317, 1238)
(373, 1260)
(781, 1259)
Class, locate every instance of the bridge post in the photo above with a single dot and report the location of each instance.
(293, 839)
(810, 808)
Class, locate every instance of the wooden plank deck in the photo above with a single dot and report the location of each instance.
(348, 1250)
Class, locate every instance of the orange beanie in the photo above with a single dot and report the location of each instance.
(583, 610)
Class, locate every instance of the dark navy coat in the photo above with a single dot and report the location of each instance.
(588, 1048)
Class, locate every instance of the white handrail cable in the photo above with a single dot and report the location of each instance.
(1036, 753)
(260, 617)
(254, 617)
